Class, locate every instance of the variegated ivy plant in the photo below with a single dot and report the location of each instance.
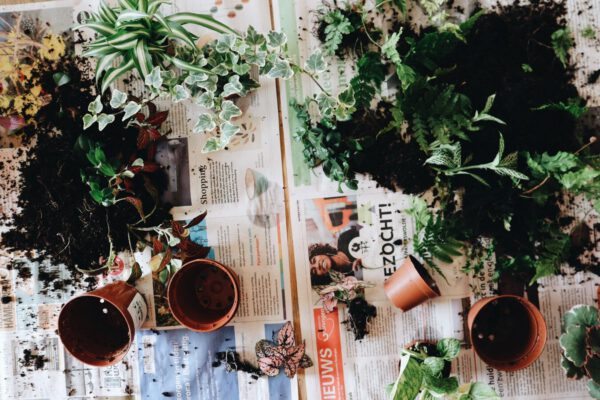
(135, 36)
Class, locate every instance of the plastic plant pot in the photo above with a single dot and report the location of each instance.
(203, 295)
(507, 332)
(410, 285)
(98, 327)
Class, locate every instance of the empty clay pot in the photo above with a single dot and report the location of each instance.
(98, 327)
(410, 285)
(203, 295)
(507, 332)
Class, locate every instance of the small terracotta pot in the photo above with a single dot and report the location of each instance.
(410, 285)
(507, 332)
(98, 327)
(203, 295)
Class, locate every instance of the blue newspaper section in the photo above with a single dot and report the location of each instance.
(280, 387)
(183, 365)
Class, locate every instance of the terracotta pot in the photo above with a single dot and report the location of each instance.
(507, 332)
(410, 285)
(98, 327)
(203, 295)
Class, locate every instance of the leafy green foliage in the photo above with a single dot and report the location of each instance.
(563, 171)
(576, 107)
(448, 158)
(580, 343)
(137, 36)
(562, 42)
(337, 25)
(589, 32)
(433, 240)
(422, 375)
(367, 82)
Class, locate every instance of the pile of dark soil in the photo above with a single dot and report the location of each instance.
(360, 313)
(58, 218)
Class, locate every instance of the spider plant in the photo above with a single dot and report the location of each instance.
(135, 35)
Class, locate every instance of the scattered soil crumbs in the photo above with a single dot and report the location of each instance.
(233, 362)
(32, 360)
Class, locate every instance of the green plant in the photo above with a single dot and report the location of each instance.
(580, 344)
(433, 239)
(564, 171)
(589, 32)
(423, 375)
(575, 106)
(137, 36)
(449, 158)
(337, 25)
(562, 42)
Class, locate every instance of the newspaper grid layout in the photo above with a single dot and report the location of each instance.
(242, 190)
(349, 369)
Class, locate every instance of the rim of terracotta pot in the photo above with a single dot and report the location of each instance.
(182, 315)
(88, 358)
(410, 285)
(532, 353)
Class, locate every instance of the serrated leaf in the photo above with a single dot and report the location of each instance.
(104, 120)
(205, 123)
(229, 110)
(118, 98)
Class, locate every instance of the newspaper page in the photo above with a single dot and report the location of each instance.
(242, 191)
(370, 227)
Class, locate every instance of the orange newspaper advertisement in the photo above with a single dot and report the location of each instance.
(329, 358)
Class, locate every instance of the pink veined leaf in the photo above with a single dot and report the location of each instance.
(285, 336)
(266, 348)
(329, 301)
(293, 359)
(269, 365)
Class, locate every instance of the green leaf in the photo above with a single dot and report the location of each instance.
(126, 16)
(562, 42)
(113, 73)
(118, 98)
(276, 39)
(188, 66)
(154, 79)
(131, 109)
(581, 314)
(141, 58)
(448, 348)
(228, 130)
(138, 162)
(233, 86)
(104, 120)
(241, 69)
(526, 68)
(573, 344)
(482, 391)
(205, 123)
(88, 120)
(574, 106)
(212, 144)
(434, 365)
(388, 48)
(347, 97)
(95, 106)
(315, 64)
(225, 43)
(61, 78)
(254, 38)
(206, 100)
(592, 367)
(180, 93)
(204, 20)
(571, 371)
(281, 69)
(107, 170)
(409, 381)
(594, 389)
(229, 110)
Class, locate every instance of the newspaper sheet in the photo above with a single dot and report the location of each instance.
(369, 226)
(242, 190)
